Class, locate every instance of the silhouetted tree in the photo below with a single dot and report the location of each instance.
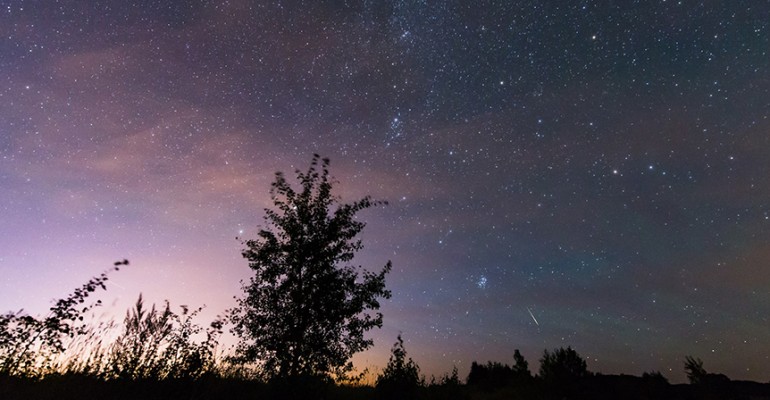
(306, 309)
(562, 370)
(401, 377)
(494, 375)
(446, 387)
(655, 377)
(476, 375)
(655, 385)
(452, 379)
(693, 367)
(562, 365)
(707, 385)
(520, 366)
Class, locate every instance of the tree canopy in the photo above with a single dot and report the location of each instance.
(306, 308)
(562, 365)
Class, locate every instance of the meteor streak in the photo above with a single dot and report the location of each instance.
(533, 316)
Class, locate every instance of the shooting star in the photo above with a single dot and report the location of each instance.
(533, 316)
(115, 284)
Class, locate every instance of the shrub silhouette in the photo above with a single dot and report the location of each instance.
(28, 344)
(401, 377)
(153, 345)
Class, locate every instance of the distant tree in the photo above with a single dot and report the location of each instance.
(495, 375)
(452, 379)
(693, 367)
(306, 308)
(447, 387)
(476, 374)
(562, 366)
(697, 375)
(655, 377)
(491, 376)
(520, 366)
(401, 377)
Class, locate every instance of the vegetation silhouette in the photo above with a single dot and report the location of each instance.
(562, 370)
(306, 308)
(495, 375)
(491, 376)
(401, 377)
(315, 309)
(28, 344)
(157, 356)
(158, 345)
(706, 384)
(447, 387)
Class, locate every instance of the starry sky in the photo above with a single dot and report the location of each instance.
(584, 173)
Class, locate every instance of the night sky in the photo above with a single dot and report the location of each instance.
(584, 173)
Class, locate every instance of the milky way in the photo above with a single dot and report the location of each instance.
(584, 173)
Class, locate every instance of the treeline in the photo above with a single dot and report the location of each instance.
(563, 374)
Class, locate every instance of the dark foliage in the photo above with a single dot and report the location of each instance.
(154, 345)
(28, 344)
(492, 376)
(449, 380)
(306, 309)
(655, 377)
(447, 387)
(694, 369)
(562, 366)
(562, 371)
(495, 375)
(159, 345)
(401, 377)
(706, 384)
(520, 367)
(500, 380)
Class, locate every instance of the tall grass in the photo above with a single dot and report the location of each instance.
(150, 344)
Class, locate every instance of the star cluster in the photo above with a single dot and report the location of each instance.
(584, 173)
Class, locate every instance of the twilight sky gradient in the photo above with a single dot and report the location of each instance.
(602, 165)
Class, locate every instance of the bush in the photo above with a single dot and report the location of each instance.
(29, 345)
(401, 377)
